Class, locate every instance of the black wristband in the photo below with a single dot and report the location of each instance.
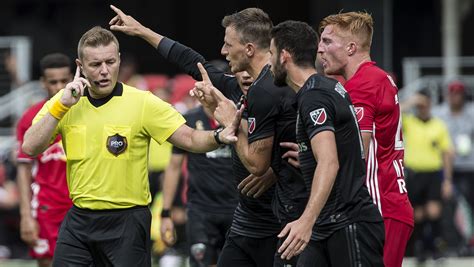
(165, 213)
(216, 136)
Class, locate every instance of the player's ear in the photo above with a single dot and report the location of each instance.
(351, 48)
(249, 49)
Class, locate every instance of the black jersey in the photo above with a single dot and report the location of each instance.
(252, 217)
(324, 105)
(211, 185)
(271, 112)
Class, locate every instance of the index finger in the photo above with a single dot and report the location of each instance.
(203, 72)
(117, 10)
(78, 73)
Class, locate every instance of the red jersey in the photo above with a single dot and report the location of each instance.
(375, 98)
(50, 188)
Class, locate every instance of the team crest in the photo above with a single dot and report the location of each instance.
(251, 125)
(116, 144)
(318, 116)
(359, 113)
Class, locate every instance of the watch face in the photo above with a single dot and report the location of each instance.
(116, 144)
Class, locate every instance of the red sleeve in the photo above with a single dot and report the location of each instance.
(22, 126)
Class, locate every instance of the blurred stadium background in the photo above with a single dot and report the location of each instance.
(423, 43)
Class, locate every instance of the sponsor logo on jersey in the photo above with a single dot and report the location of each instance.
(116, 144)
(318, 116)
(359, 113)
(252, 124)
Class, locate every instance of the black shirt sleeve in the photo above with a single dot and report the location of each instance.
(317, 112)
(186, 59)
(262, 113)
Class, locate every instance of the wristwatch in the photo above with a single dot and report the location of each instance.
(165, 213)
(216, 136)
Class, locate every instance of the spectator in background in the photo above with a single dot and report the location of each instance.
(458, 115)
(128, 72)
(428, 166)
(44, 196)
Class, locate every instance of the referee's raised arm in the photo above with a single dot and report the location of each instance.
(39, 135)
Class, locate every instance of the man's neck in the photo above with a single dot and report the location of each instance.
(258, 62)
(298, 76)
(354, 64)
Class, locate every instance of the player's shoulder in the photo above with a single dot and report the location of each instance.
(321, 85)
(31, 112)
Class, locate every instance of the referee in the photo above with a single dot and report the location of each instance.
(106, 127)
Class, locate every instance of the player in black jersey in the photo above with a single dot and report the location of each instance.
(340, 226)
(212, 195)
(252, 239)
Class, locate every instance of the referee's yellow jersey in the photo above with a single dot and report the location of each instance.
(425, 143)
(107, 146)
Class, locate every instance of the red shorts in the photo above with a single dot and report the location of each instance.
(397, 235)
(49, 222)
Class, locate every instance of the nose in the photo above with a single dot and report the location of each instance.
(223, 50)
(103, 68)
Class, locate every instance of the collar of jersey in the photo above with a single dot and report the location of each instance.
(117, 91)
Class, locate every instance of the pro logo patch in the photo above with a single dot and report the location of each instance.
(116, 144)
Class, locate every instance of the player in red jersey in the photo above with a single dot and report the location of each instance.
(45, 201)
(344, 49)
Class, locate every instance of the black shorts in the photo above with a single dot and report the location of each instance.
(206, 233)
(358, 244)
(104, 238)
(278, 261)
(242, 251)
(423, 186)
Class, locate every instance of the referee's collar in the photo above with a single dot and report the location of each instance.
(117, 91)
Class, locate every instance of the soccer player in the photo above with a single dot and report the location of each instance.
(106, 127)
(212, 195)
(344, 50)
(342, 225)
(271, 119)
(44, 196)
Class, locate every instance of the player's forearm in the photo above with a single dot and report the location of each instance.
(153, 38)
(38, 136)
(448, 165)
(323, 181)
(254, 162)
(170, 184)
(24, 180)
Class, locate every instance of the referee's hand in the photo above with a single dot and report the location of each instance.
(74, 90)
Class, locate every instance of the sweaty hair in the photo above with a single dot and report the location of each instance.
(253, 26)
(54, 61)
(359, 24)
(299, 39)
(95, 37)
